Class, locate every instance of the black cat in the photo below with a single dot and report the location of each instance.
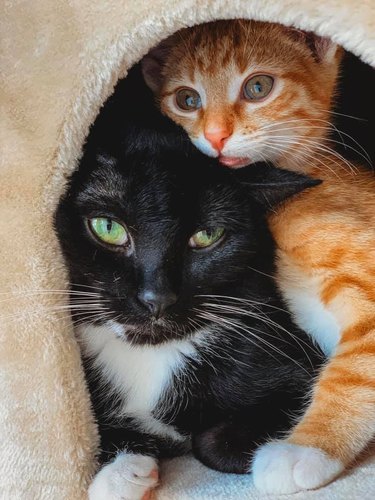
(183, 333)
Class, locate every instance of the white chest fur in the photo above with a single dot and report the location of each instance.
(139, 375)
(302, 296)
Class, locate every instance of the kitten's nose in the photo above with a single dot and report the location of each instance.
(217, 137)
(157, 302)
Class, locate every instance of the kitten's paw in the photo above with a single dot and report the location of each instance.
(280, 467)
(129, 477)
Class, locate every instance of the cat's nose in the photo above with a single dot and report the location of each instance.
(217, 137)
(157, 302)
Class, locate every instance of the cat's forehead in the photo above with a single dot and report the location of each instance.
(142, 184)
(222, 51)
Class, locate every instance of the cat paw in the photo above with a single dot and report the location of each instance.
(129, 477)
(280, 468)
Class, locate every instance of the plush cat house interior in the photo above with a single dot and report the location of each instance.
(61, 63)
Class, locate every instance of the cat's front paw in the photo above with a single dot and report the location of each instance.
(129, 477)
(280, 467)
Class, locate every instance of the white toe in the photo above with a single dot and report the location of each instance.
(280, 468)
(128, 477)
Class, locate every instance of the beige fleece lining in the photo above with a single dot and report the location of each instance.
(60, 62)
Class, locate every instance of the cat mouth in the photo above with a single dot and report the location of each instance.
(150, 332)
(234, 161)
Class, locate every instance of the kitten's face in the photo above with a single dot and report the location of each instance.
(151, 237)
(247, 91)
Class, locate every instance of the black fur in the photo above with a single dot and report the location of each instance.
(140, 168)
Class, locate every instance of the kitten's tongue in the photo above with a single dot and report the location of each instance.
(233, 161)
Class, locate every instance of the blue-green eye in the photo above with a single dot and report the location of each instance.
(258, 87)
(206, 238)
(109, 231)
(188, 99)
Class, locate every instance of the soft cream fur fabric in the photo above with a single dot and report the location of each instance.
(60, 62)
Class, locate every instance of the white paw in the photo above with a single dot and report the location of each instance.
(129, 477)
(280, 467)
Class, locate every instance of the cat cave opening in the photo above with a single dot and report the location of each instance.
(242, 99)
(157, 215)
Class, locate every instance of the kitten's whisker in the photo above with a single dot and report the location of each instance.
(329, 126)
(346, 116)
(318, 146)
(364, 154)
(309, 154)
(300, 156)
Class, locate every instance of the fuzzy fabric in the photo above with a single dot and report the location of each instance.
(60, 61)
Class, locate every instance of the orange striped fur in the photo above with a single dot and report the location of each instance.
(325, 236)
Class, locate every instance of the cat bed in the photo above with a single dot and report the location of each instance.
(61, 61)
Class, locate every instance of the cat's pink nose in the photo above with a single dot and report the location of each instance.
(217, 137)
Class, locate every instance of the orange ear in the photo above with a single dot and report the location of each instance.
(153, 62)
(322, 48)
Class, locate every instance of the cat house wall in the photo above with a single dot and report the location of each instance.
(61, 61)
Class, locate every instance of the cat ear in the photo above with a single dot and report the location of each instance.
(152, 65)
(270, 186)
(322, 48)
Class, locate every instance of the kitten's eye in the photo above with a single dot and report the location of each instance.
(188, 99)
(109, 231)
(206, 238)
(258, 87)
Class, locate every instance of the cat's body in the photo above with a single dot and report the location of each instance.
(211, 368)
(246, 91)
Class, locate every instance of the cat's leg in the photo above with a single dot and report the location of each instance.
(228, 445)
(224, 447)
(130, 466)
(338, 424)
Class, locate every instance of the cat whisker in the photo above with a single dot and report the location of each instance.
(329, 126)
(308, 153)
(55, 310)
(246, 301)
(317, 146)
(345, 115)
(261, 272)
(264, 318)
(363, 154)
(238, 328)
(89, 286)
(301, 156)
(12, 295)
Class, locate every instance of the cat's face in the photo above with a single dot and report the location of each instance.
(247, 91)
(152, 236)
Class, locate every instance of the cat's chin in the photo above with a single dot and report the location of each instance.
(234, 161)
(148, 333)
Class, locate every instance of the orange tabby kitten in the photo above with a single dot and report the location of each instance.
(248, 91)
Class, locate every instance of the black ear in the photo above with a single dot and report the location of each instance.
(153, 62)
(270, 186)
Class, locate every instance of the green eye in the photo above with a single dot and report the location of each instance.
(109, 231)
(206, 238)
(258, 87)
(188, 99)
